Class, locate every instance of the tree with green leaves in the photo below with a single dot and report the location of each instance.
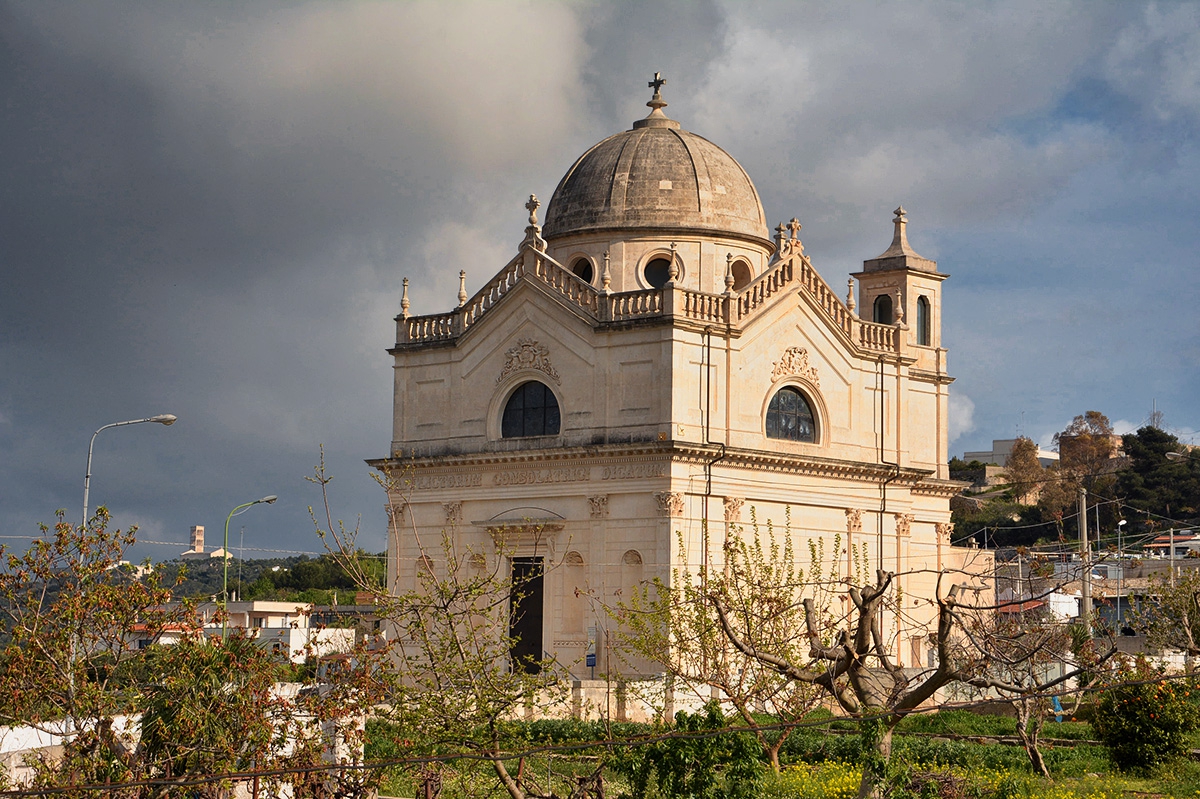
(1151, 482)
(81, 659)
(1023, 470)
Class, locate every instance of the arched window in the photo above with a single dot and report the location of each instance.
(883, 309)
(582, 268)
(532, 410)
(790, 417)
(923, 321)
(741, 275)
(657, 272)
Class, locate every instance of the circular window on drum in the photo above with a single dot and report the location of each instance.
(790, 417)
(532, 410)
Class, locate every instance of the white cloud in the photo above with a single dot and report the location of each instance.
(1156, 60)
(962, 415)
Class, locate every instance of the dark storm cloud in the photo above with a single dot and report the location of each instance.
(207, 209)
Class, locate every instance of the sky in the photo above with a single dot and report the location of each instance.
(207, 209)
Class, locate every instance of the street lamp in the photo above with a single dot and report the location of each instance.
(1180, 456)
(225, 549)
(165, 419)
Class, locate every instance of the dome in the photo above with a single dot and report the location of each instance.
(656, 177)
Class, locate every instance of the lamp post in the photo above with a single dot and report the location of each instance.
(165, 419)
(225, 550)
(1180, 456)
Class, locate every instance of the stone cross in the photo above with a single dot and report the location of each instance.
(794, 227)
(657, 83)
(532, 207)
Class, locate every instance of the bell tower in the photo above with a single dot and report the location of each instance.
(900, 287)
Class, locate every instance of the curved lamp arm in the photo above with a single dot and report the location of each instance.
(165, 419)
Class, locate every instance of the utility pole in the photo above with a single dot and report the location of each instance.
(1085, 555)
(1172, 562)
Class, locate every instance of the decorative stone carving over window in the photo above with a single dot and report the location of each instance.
(599, 505)
(904, 524)
(670, 503)
(528, 354)
(795, 362)
(944, 531)
(733, 509)
(853, 520)
(453, 512)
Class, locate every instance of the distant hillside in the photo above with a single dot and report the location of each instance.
(300, 578)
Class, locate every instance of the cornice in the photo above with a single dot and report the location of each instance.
(683, 452)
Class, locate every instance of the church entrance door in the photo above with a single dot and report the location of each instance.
(525, 624)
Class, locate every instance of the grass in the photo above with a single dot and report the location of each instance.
(818, 765)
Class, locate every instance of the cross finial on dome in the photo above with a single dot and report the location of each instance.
(532, 207)
(656, 102)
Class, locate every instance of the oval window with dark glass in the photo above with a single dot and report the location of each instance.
(658, 272)
(532, 410)
(582, 268)
(789, 417)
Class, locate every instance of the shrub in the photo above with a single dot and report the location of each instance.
(1144, 720)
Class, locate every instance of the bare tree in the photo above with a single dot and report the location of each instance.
(448, 669)
(674, 626)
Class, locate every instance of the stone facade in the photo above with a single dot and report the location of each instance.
(663, 323)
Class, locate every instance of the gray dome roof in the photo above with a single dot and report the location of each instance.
(656, 177)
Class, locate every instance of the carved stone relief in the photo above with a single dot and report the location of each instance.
(395, 511)
(853, 520)
(733, 509)
(670, 503)
(528, 354)
(599, 505)
(794, 361)
(453, 512)
(904, 524)
(944, 531)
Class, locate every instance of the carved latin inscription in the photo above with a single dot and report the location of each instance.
(525, 477)
(795, 362)
(447, 480)
(528, 354)
(670, 503)
(637, 471)
(599, 505)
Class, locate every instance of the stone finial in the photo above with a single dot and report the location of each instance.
(404, 303)
(779, 237)
(606, 275)
(794, 228)
(673, 269)
(462, 287)
(656, 118)
(850, 294)
(900, 236)
(533, 233)
(729, 274)
(899, 307)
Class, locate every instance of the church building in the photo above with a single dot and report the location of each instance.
(651, 365)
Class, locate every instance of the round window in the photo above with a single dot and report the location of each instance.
(657, 272)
